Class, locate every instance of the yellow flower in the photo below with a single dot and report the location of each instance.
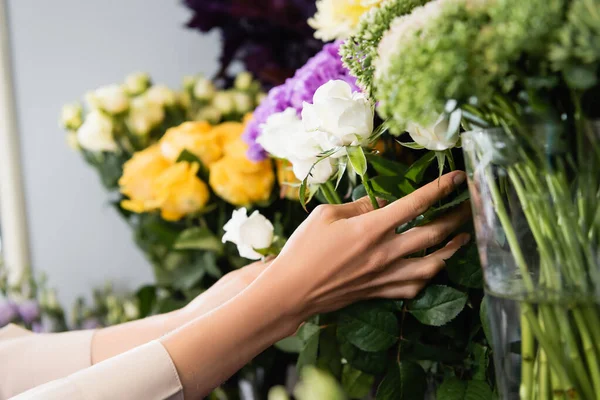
(337, 19)
(196, 137)
(289, 185)
(139, 173)
(240, 181)
(178, 191)
(228, 133)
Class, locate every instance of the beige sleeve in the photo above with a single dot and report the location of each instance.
(145, 373)
(28, 360)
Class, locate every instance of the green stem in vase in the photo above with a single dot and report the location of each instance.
(330, 194)
(589, 351)
(527, 360)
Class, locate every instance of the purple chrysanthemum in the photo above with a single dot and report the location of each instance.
(29, 311)
(8, 312)
(323, 67)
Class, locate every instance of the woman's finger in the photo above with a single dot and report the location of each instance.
(405, 290)
(415, 269)
(356, 208)
(409, 207)
(426, 236)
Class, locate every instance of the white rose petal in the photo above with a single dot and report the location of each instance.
(433, 137)
(137, 83)
(345, 116)
(277, 131)
(95, 134)
(144, 115)
(317, 172)
(204, 89)
(224, 102)
(248, 233)
(112, 99)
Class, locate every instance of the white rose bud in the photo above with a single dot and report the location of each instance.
(433, 137)
(316, 172)
(243, 102)
(137, 83)
(248, 233)
(161, 94)
(204, 89)
(189, 81)
(223, 101)
(144, 115)
(243, 81)
(95, 134)
(345, 116)
(71, 116)
(111, 98)
(209, 114)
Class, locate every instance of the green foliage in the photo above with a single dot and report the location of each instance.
(356, 383)
(368, 328)
(455, 389)
(404, 381)
(437, 305)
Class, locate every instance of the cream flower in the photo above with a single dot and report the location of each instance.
(204, 89)
(248, 233)
(433, 137)
(111, 98)
(96, 133)
(337, 19)
(144, 115)
(71, 116)
(136, 83)
(161, 94)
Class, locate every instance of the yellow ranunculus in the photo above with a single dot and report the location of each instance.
(139, 173)
(178, 191)
(228, 133)
(198, 138)
(289, 185)
(240, 181)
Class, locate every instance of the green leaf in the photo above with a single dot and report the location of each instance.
(386, 167)
(412, 145)
(186, 156)
(437, 305)
(371, 363)
(485, 321)
(342, 164)
(209, 262)
(404, 381)
(481, 358)
(274, 249)
(416, 171)
(359, 192)
(146, 296)
(292, 344)
(357, 159)
(330, 358)
(186, 276)
(368, 328)
(198, 238)
(581, 77)
(454, 389)
(309, 335)
(464, 268)
(441, 159)
(356, 383)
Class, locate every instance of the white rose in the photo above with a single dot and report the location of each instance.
(161, 94)
(317, 172)
(277, 133)
(248, 233)
(144, 115)
(137, 83)
(95, 134)
(346, 117)
(209, 114)
(433, 137)
(71, 116)
(111, 98)
(204, 89)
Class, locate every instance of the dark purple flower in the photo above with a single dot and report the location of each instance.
(320, 69)
(38, 327)
(270, 37)
(8, 312)
(29, 311)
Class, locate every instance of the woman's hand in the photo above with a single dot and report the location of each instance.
(342, 254)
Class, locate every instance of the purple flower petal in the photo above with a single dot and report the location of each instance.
(8, 312)
(29, 311)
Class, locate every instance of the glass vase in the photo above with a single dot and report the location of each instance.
(536, 209)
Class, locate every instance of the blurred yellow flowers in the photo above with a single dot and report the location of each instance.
(154, 180)
(337, 19)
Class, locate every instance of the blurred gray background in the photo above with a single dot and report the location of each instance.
(61, 49)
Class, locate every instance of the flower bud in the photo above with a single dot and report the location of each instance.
(223, 101)
(71, 116)
(95, 134)
(162, 95)
(249, 233)
(204, 89)
(137, 83)
(209, 114)
(111, 99)
(243, 102)
(243, 81)
(189, 81)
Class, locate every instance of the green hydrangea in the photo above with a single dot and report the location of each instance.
(576, 51)
(359, 51)
(460, 50)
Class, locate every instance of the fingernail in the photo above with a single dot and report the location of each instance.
(466, 239)
(459, 178)
(382, 202)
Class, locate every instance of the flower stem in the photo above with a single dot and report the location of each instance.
(367, 184)
(330, 194)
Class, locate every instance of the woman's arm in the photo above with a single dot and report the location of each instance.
(111, 341)
(339, 255)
